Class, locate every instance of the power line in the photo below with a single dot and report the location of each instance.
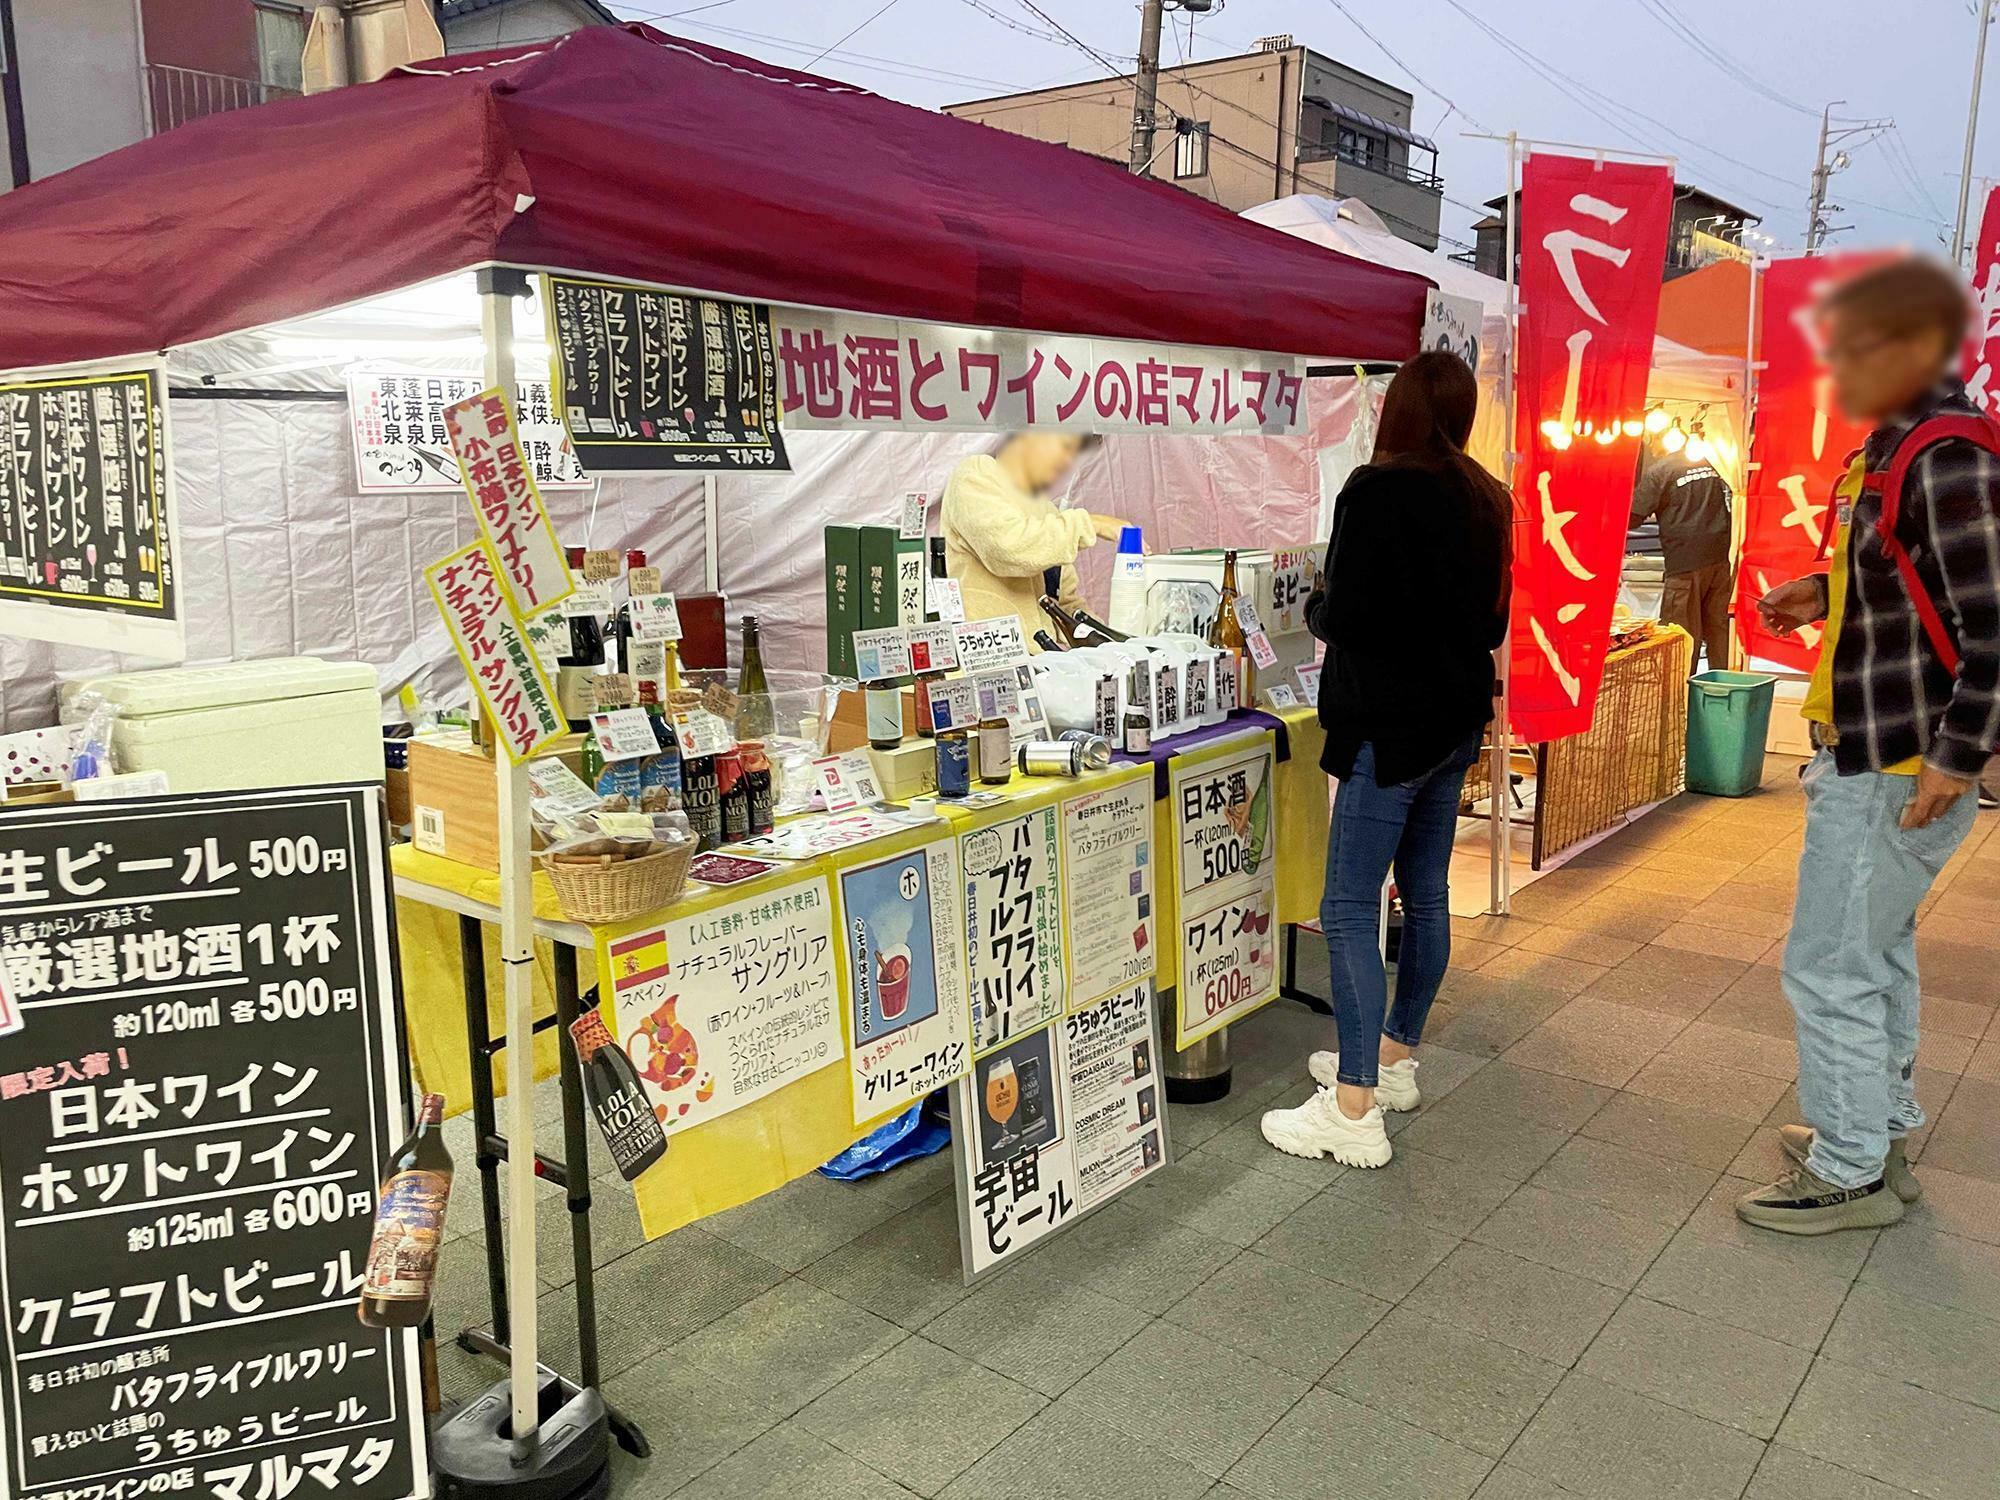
(1382, 47)
(872, 18)
(1073, 39)
(896, 67)
(1663, 12)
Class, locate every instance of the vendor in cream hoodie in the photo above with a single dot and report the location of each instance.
(1003, 535)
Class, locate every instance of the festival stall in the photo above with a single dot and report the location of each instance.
(615, 209)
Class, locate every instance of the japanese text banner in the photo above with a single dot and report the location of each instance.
(849, 372)
(1798, 453)
(1594, 239)
(1982, 350)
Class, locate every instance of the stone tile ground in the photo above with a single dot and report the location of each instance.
(1544, 1295)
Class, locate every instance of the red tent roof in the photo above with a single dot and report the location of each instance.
(661, 160)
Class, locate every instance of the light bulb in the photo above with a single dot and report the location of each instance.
(1673, 440)
(1657, 419)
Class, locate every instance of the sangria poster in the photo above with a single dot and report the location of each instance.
(722, 1006)
(906, 1008)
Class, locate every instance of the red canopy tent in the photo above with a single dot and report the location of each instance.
(626, 152)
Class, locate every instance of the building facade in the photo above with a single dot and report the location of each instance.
(79, 78)
(1704, 229)
(1243, 130)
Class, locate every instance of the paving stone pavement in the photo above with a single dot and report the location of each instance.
(1545, 1294)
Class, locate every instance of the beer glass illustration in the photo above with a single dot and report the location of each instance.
(1003, 1098)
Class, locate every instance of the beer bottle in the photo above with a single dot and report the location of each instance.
(401, 1274)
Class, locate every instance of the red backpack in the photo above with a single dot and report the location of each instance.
(1982, 431)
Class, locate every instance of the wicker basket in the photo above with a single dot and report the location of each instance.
(615, 890)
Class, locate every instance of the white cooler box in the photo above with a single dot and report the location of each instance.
(289, 721)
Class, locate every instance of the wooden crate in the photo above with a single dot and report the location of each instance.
(454, 804)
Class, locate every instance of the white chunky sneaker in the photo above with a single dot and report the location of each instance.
(1318, 1128)
(1395, 1083)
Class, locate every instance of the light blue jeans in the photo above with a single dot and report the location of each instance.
(1851, 962)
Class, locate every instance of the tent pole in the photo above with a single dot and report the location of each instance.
(517, 958)
(1739, 653)
(711, 531)
(1500, 897)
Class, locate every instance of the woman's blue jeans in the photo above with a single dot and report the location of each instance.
(1407, 827)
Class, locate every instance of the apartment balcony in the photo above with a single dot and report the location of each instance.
(175, 96)
(1374, 162)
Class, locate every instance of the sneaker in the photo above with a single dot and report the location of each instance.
(1797, 1141)
(1988, 799)
(1395, 1083)
(1318, 1128)
(1802, 1203)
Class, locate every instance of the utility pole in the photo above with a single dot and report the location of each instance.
(1971, 132)
(1817, 229)
(16, 113)
(1146, 86)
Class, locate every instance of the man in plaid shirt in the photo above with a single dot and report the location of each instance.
(1905, 713)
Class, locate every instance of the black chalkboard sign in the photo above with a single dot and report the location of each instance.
(208, 1076)
(86, 511)
(650, 380)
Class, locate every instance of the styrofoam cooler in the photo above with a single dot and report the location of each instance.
(288, 721)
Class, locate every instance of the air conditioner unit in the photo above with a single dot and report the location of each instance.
(1277, 42)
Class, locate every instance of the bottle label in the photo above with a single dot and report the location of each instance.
(631, 1129)
(409, 1227)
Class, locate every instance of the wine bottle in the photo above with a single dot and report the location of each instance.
(1096, 626)
(1048, 642)
(1060, 618)
(401, 1273)
(583, 661)
(936, 546)
(755, 717)
(617, 1097)
(621, 627)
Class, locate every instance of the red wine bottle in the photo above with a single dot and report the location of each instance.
(401, 1274)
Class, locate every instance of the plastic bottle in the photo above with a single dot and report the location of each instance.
(1128, 584)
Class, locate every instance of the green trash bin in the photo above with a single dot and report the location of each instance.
(1729, 716)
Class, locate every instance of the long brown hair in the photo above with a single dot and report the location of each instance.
(1426, 422)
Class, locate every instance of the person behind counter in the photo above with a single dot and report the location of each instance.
(1691, 502)
(1418, 575)
(1004, 536)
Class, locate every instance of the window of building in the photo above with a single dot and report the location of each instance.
(281, 45)
(1359, 147)
(1190, 149)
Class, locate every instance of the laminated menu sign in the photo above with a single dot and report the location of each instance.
(1055, 1124)
(1013, 929)
(997, 642)
(654, 380)
(905, 1003)
(722, 1006)
(494, 650)
(1108, 887)
(401, 442)
(533, 568)
(1291, 586)
(89, 540)
(191, 1124)
(1225, 869)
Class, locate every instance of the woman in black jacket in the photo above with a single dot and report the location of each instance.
(1412, 607)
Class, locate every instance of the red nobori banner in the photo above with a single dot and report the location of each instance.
(845, 371)
(1594, 236)
(1982, 350)
(1798, 451)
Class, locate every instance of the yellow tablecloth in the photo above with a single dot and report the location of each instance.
(765, 1144)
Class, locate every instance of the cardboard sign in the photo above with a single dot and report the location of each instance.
(511, 515)
(642, 581)
(613, 690)
(601, 565)
(624, 734)
(493, 648)
(881, 654)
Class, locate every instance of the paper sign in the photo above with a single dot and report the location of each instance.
(916, 505)
(954, 704)
(494, 650)
(720, 701)
(504, 498)
(10, 1014)
(933, 647)
(1107, 708)
(1291, 585)
(998, 694)
(719, 1008)
(701, 733)
(880, 654)
(548, 634)
(991, 643)
(1246, 614)
(1197, 683)
(1108, 888)
(1308, 677)
(600, 565)
(118, 786)
(1225, 867)
(1280, 695)
(587, 599)
(655, 617)
(624, 824)
(1228, 689)
(906, 1028)
(1262, 652)
(847, 780)
(555, 791)
(727, 869)
(826, 833)
(647, 661)
(1014, 942)
(642, 581)
(400, 440)
(613, 690)
(624, 734)
(945, 599)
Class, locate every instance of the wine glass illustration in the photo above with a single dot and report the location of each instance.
(1003, 1098)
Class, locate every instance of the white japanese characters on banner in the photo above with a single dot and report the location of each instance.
(192, 1121)
(906, 1011)
(1225, 863)
(1108, 887)
(533, 570)
(494, 650)
(849, 371)
(1013, 932)
(1055, 1124)
(720, 1007)
(401, 442)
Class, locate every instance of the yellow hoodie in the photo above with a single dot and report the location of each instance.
(999, 540)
